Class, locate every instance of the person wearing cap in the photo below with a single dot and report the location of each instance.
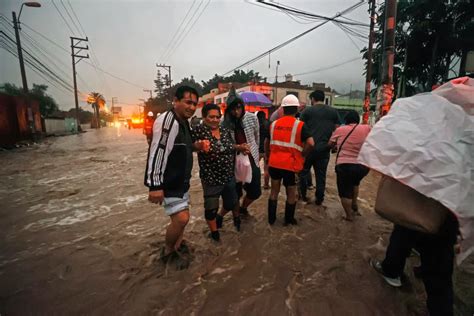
(289, 140)
(148, 127)
(245, 131)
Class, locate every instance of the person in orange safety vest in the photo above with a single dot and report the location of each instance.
(289, 141)
(148, 126)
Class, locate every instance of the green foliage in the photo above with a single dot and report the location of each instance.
(240, 76)
(438, 33)
(47, 104)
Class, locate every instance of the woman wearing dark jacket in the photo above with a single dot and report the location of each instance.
(245, 131)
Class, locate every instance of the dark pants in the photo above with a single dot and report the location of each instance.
(437, 255)
(319, 161)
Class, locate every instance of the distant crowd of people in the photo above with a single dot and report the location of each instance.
(293, 141)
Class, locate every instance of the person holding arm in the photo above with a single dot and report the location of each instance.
(168, 170)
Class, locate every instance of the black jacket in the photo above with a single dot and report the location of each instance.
(170, 156)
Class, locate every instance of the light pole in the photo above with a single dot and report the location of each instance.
(16, 26)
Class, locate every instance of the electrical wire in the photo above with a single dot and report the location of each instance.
(264, 54)
(62, 16)
(70, 17)
(173, 38)
(189, 30)
(183, 30)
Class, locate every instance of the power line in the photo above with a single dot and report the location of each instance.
(34, 45)
(328, 67)
(184, 37)
(251, 61)
(46, 38)
(62, 16)
(95, 61)
(79, 21)
(90, 64)
(43, 51)
(308, 14)
(35, 62)
(34, 68)
(184, 29)
(177, 30)
(70, 17)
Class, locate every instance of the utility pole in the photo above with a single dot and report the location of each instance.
(16, 26)
(149, 91)
(169, 78)
(75, 50)
(169, 74)
(368, 77)
(276, 74)
(388, 56)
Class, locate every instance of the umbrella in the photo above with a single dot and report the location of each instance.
(255, 98)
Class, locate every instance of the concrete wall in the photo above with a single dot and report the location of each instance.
(54, 126)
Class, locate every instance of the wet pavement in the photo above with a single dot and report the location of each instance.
(78, 236)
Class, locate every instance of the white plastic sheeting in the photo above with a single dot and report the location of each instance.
(427, 142)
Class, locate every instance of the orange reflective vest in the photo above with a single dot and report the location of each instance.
(149, 126)
(286, 146)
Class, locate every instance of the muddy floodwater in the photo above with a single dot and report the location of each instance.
(78, 236)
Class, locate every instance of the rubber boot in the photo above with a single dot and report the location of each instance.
(290, 214)
(219, 220)
(237, 223)
(272, 211)
(215, 235)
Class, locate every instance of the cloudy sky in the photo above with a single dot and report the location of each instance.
(127, 39)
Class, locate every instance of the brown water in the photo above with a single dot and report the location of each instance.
(79, 237)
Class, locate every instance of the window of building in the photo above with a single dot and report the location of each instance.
(218, 101)
(326, 101)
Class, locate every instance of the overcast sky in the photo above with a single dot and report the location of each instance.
(128, 38)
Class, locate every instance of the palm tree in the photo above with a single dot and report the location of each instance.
(97, 101)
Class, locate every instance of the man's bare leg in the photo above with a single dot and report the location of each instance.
(175, 231)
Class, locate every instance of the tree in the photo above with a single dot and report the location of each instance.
(97, 101)
(207, 86)
(46, 103)
(186, 82)
(438, 34)
(160, 84)
(238, 76)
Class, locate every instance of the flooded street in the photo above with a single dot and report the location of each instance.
(78, 236)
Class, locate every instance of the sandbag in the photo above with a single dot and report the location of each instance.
(407, 207)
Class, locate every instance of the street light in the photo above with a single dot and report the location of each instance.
(16, 26)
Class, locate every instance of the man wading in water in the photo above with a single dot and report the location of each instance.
(168, 172)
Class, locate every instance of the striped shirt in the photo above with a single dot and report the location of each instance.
(252, 134)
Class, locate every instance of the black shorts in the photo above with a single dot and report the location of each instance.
(289, 177)
(212, 193)
(253, 189)
(349, 176)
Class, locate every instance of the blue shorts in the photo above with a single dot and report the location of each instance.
(174, 205)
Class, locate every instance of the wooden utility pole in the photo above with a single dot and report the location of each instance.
(388, 56)
(368, 76)
(75, 50)
(30, 115)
